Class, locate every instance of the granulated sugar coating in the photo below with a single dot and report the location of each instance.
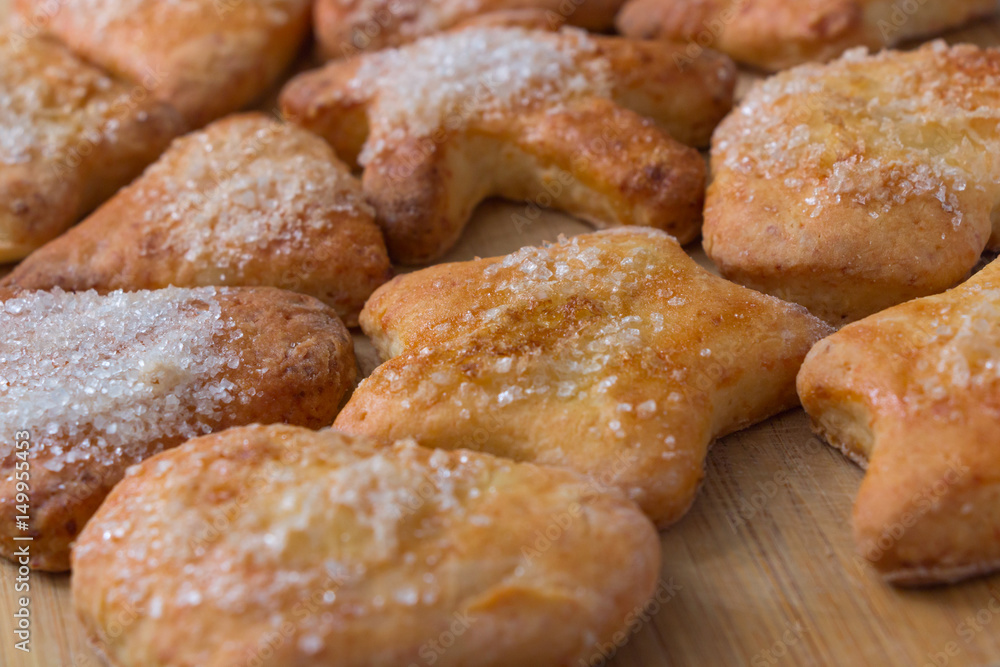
(247, 186)
(875, 130)
(446, 81)
(104, 372)
(962, 346)
(51, 101)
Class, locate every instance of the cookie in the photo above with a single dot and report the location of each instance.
(577, 122)
(854, 186)
(345, 27)
(778, 34)
(247, 201)
(297, 547)
(913, 394)
(70, 136)
(100, 383)
(206, 58)
(613, 354)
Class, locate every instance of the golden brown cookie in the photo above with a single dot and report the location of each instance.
(778, 34)
(554, 117)
(207, 58)
(345, 27)
(100, 383)
(70, 135)
(613, 353)
(913, 394)
(318, 548)
(854, 186)
(247, 201)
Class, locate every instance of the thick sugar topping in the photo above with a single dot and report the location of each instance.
(448, 80)
(50, 102)
(876, 130)
(247, 189)
(91, 376)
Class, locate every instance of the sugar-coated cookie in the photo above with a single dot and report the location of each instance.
(612, 353)
(206, 58)
(344, 27)
(913, 394)
(99, 383)
(855, 186)
(777, 34)
(578, 122)
(295, 547)
(247, 201)
(70, 135)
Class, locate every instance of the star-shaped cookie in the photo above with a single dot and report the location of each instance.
(777, 34)
(913, 394)
(561, 119)
(612, 353)
(857, 185)
(206, 58)
(246, 201)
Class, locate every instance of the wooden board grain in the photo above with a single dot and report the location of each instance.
(762, 571)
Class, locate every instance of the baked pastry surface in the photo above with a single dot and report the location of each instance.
(854, 186)
(345, 27)
(913, 394)
(103, 382)
(778, 34)
(70, 135)
(612, 353)
(319, 548)
(247, 201)
(206, 58)
(572, 121)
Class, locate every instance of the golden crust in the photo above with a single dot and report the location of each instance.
(206, 58)
(345, 27)
(778, 34)
(70, 135)
(268, 356)
(328, 549)
(854, 186)
(914, 391)
(437, 137)
(613, 354)
(247, 201)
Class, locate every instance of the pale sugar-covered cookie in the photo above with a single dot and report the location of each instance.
(310, 548)
(913, 394)
(590, 125)
(854, 186)
(612, 353)
(247, 201)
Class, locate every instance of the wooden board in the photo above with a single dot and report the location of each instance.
(762, 571)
